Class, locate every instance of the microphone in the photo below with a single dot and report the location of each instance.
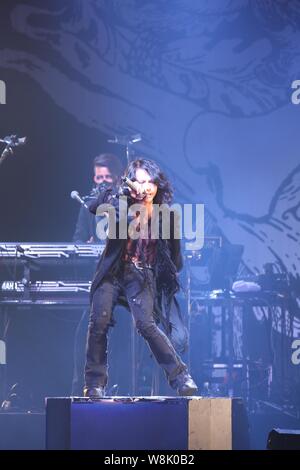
(14, 141)
(131, 185)
(11, 142)
(75, 195)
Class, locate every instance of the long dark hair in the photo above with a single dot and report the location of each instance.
(164, 193)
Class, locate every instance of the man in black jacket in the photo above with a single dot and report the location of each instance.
(107, 171)
(142, 273)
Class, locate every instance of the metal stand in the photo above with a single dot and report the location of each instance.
(6, 152)
(4, 321)
(127, 141)
(11, 142)
(133, 359)
(189, 309)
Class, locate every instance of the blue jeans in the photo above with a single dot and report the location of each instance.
(140, 297)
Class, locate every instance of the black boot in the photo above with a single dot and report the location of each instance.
(93, 392)
(184, 385)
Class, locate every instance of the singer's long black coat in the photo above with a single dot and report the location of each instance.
(168, 264)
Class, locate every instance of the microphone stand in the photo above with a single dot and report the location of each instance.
(6, 152)
(127, 141)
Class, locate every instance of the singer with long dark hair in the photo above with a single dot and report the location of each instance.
(143, 270)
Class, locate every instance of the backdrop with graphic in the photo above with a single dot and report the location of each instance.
(207, 85)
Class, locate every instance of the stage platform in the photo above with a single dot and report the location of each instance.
(146, 423)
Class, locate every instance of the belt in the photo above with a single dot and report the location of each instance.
(139, 265)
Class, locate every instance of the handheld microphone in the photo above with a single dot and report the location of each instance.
(132, 186)
(75, 195)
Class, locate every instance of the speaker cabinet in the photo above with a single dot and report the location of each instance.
(157, 423)
(284, 439)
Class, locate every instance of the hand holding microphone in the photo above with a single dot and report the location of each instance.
(136, 190)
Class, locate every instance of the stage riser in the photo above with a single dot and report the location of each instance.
(147, 424)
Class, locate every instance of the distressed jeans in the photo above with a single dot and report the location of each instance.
(140, 297)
